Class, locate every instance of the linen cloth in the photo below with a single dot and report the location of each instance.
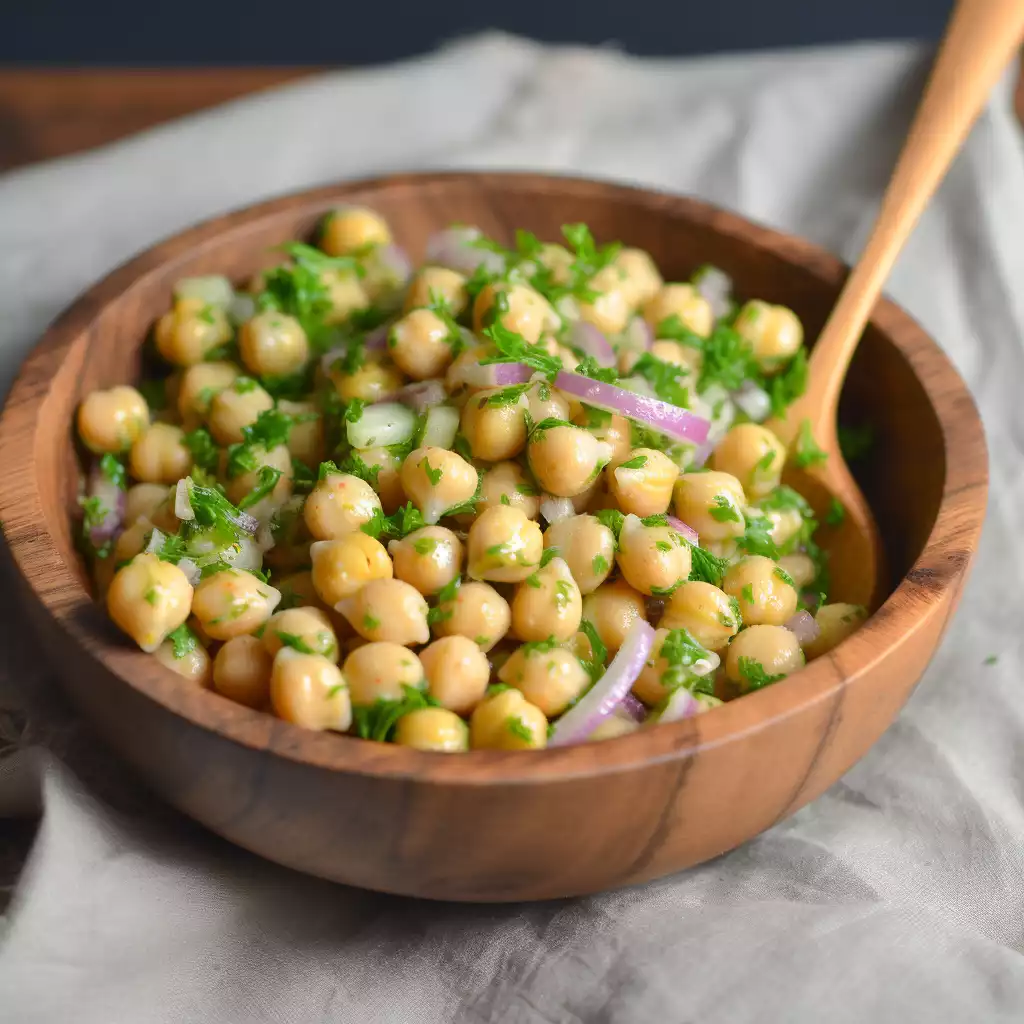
(897, 896)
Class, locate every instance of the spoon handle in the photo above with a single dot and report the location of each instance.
(981, 38)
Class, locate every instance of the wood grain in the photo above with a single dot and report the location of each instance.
(501, 825)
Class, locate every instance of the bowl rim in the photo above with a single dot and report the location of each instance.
(935, 577)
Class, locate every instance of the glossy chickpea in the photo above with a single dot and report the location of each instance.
(273, 344)
(835, 623)
(350, 229)
(428, 558)
(306, 629)
(339, 504)
(653, 559)
(550, 678)
(309, 690)
(507, 721)
(588, 547)
(380, 671)
(199, 384)
(190, 330)
(279, 458)
(503, 546)
(650, 686)
(505, 483)
(558, 260)
(754, 456)
(111, 421)
(611, 428)
(766, 595)
(684, 356)
(389, 476)
(609, 312)
(342, 567)
(711, 503)
(163, 517)
(800, 568)
(432, 284)
(142, 500)
(759, 652)
(706, 612)
(615, 725)
(683, 301)
(132, 540)
(643, 482)
(457, 673)
(460, 378)
(785, 524)
(388, 609)
(478, 612)
(545, 402)
(232, 602)
(641, 280)
(148, 599)
(437, 480)
(494, 427)
(528, 313)
(611, 610)
(421, 344)
(432, 729)
(547, 604)
(566, 459)
(236, 407)
(775, 333)
(241, 671)
(345, 293)
(193, 665)
(297, 590)
(306, 436)
(371, 382)
(159, 455)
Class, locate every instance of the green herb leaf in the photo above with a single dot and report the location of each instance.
(294, 641)
(518, 728)
(754, 676)
(378, 721)
(113, 469)
(724, 511)
(183, 640)
(205, 453)
(706, 567)
(681, 652)
(806, 451)
(637, 462)
(266, 481)
(665, 378)
(836, 514)
(786, 387)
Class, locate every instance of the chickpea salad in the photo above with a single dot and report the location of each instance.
(512, 498)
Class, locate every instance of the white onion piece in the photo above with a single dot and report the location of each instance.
(753, 401)
(555, 509)
(182, 505)
(493, 375)
(265, 534)
(609, 691)
(245, 554)
(421, 395)
(192, 571)
(394, 261)
(382, 424)
(242, 308)
(112, 500)
(440, 428)
(682, 528)
(716, 286)
(681, 704)
(247, 523)
(155, 542)
(634, 708)
(677, 423)
(453, 248)
(214, 289)
(804, 627)
(591, 342)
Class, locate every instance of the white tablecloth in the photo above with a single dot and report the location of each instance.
(897, 896)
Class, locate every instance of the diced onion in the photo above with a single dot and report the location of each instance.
(804, 627)
(395, 262)
(591, 342)
(687, 531)
(192, 571)
(716, 286)
(214, 289)
(155, 542)
(421, 395)
(555, 509)
(453, 248)
(681, 704)
(242, 308)
(383, 424)
(634, 708)
(113, 502)
(493, 375)
(753, 401)
(441, 426)
(182, 504)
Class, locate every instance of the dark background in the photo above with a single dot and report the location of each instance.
(346, 32)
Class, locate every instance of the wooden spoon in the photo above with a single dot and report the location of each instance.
(981, 38)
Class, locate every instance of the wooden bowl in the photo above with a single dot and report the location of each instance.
(490, 825)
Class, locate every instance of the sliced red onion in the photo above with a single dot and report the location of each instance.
(495, 375)
(245, 522)
(681, 704)
(716, 286)
(634, 708)
(677, 423)
(112, 501)
(453, 248)
(377, 339)
(394, 260)
(591, 342)
(804, 627)
(638, 386)
(638, 336)
(192, 571)
(755, 402)
(555, 509)
(609, 691)
(242, 308)
(420, 396)
(687, 531)
(182, 504)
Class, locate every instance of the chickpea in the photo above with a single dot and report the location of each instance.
(132, 540)
(547, 603)
(641, 280)
(707, 613)
(389, 479)
(545, 402)
(588, 547)
(558, 260)
(306, 629)
(836, 622)
(381, 671)
(339, 504)
(190, 330)
(477, 611)
(306, 436)
(163, 516)
(642, 483)
(111, 421)
(309, 690)
(610, 310)
(754, 456)
(495, 429)
(436, 480)
(711, 504)
(760, 651)
(528, 312)
(345, 293)
(142, 500)
(652, 559)
(437, 283)
(615, 725)
(432, 729)
(386, 272)
(673, 352)
(342, 567)
(775, 333)
(421, 344)
(241, 671)
(611, 610)
(465, 364)
(765, 593)
(800, 568)
(297, 590)
(683, 301)
(503, 545)
(371, 382)
(428, 558)
(199, 384)
(148, 599)
(611, 428)
(350, 229)
(549, 677)
(193, 665)
(566, 459)
(273, 344)
(388, 609)
(507, 721)
(236, 407)
(159, 455)
(659, 676)
(278, 458)
(786, 523)
(232, 602)
(457, 673)
(505, 483)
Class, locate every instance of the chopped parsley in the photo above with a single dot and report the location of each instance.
(781, 574)
(446, 595)
(183, 641)
(724, 511)
(806, 451)
(266, 481)
(378, 720)
(425, 545)
(205, 453)
(728, 360)
(599, 565)
(591, 368)
(396, 526)
(295, 642)
(748, 593)
(113, 469)
(548, 554)
(664, 378)
(637, 462)
(595, 665)
(518, 728)
(681, 652)
(506, 396)
(754, 676)
(706, 567)
(612, 518)
(757, 537)
(836, 514)
(433, 475)
(370, 623)
(786, 387)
